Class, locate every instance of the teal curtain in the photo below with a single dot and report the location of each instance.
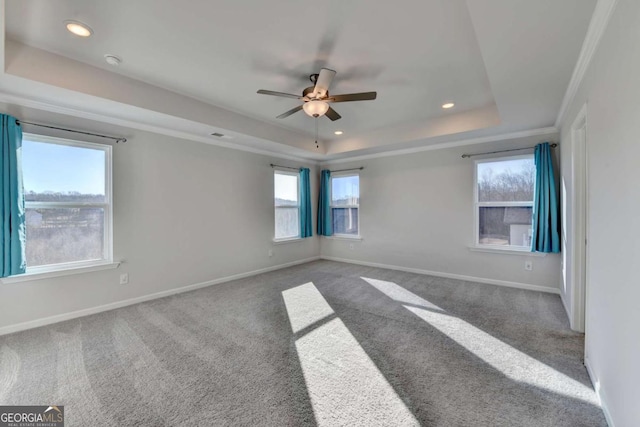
(325, 227)
(546, 234)
(306, 225)
(12, 220)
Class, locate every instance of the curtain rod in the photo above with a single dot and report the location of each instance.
(284, 167)
(295, 169)
(466, 156)
(352, 169)
(115, 138)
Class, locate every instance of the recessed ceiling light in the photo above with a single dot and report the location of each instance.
(78, 28)
(112, 59)
(448, 105)
(338, 132)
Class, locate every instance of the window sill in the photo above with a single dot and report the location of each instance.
(38, 275)
(289, 240)
(343, 237)
(510, 251)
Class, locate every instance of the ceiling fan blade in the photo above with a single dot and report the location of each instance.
(290, 112)
(332, 114)
(282, 94)
(363, 96)
(324, 81)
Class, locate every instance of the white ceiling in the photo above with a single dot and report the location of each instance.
(505, 63)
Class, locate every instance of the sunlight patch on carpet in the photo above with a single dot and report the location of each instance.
(344, 385)
(511, 362)
(305, 306)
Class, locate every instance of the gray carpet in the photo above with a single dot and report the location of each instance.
(322, 343)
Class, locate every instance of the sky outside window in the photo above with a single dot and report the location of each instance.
(59, 168)
(286, 187)
(515, 165)
(345, 187)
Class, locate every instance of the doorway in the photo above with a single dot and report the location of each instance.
(579, 226)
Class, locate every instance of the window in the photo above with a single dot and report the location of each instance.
(504, 202)
(67, 186)
(345, 201)
(287, 205)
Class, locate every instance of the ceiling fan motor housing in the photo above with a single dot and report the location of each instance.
(310, 90)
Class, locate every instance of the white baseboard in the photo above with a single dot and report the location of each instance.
(596, 386)
(93, 310)
(449, 275)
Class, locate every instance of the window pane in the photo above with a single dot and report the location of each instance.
(345, 190)
(345, 220)
(505, 226)
(506, 181)
(62, 173)
(287, 223)
(64, 235)
(285, 189)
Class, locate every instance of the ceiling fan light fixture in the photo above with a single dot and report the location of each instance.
(315, 108)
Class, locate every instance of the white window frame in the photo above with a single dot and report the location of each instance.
(107, 205)
(477, 205)
(332, 206)
(275, 208)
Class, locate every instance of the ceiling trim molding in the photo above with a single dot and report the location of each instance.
(44, 106)
(450, 144)
(597, 26)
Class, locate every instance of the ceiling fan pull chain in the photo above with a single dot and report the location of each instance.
(317, 146)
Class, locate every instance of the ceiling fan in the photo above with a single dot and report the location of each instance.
(316, 98)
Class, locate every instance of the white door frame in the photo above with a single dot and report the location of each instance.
(579, 232)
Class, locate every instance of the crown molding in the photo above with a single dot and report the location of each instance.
(597, 26)
(450, 144)
(82, 114)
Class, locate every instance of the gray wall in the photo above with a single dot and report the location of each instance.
(611, 90)
(187, 212)
(184, 213)
(417, 212)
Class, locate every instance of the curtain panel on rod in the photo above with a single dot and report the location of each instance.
(306, 222)
(324, 205)
(12, 213)
(546, 234)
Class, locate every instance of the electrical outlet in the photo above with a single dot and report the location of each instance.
(528, 265)
(270, 253)
(351, 246)
(124, 278)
